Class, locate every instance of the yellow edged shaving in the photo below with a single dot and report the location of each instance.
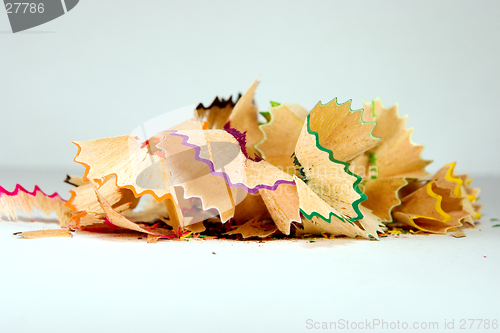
(310, 203)
(116, 218)
(424, 203)
(439, 199)
(370, 222)
(83, 198)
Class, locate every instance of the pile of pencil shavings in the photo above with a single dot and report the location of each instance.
(223, 174)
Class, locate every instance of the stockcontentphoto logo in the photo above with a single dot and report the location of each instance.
(26, 15)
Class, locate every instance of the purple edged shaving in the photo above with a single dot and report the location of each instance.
(242, 141)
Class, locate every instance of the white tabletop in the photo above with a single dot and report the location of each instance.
(95, 283)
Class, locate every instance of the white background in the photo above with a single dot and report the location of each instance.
(108, 66)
